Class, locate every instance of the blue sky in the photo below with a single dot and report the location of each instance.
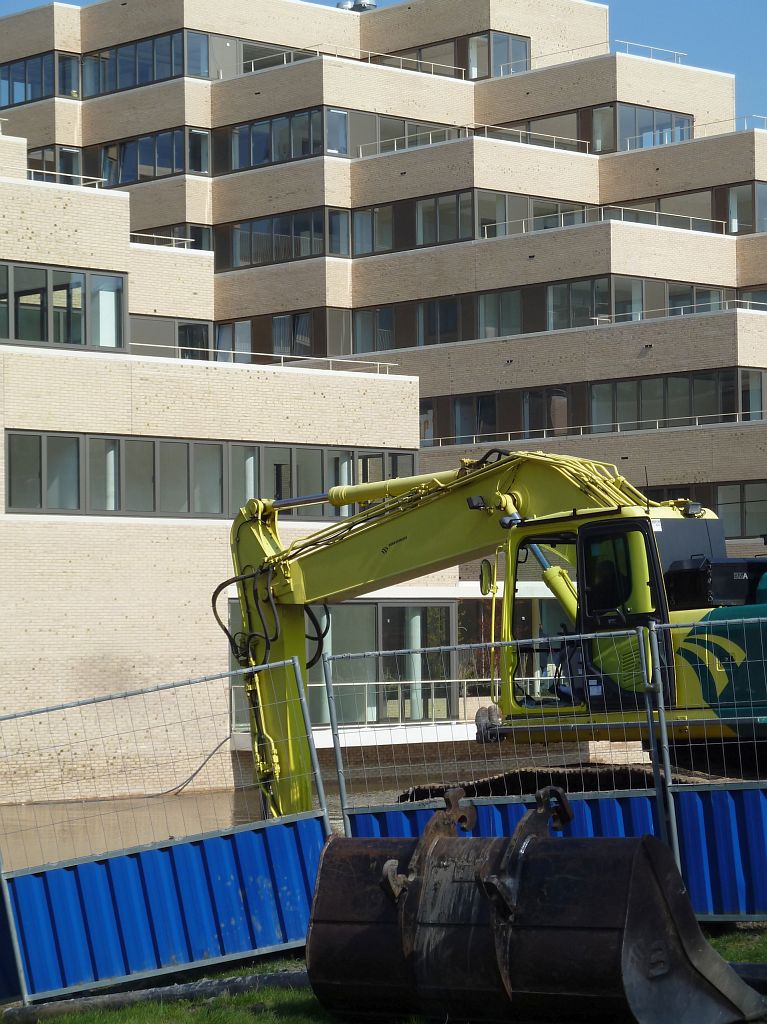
(726, 35)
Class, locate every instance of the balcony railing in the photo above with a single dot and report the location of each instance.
(60, 178)
(551, 59)
(169, 241)
(589, 429)
(598, 214)
(427, 67)
(484, 131)
(742, 123)
(246, 358)
(684, 309)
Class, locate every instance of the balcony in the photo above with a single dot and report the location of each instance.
(599, 214)
(477, 131)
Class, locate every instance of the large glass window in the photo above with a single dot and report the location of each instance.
(197, 65)
(26, 81)
(741, 212)
(68, 295)
(62, 473)
(30, 304)
(475, 418)
(500, 314)
(199, 151)
(104, 474)
(479, 56)
(106, 298)
(5, 320)
(338, 232)
(174, 477)
(132, 64)
(244, 479)
(208, 479)
(438, 321)
(68, 78)
(139, 476)
(373, 329)
(338, 132)
(25, 471)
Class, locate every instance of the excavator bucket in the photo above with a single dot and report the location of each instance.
(532, 928)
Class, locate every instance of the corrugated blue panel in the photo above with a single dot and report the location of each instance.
(594, 816)
(400, 822)
(723, 846)
(218, 897)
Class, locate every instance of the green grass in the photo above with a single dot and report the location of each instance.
(741, 944)
(267, 1006)
(298, 1006)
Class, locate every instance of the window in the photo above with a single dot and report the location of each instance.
(479, 56)
(193, 340)
(146, 157)
(510, 54)
(500, 314)
(292, 334)
(338, 232)
(373, 329)
(615, 576)
(68, 79)
(373, 230)
(26, 81)
(577, 303)
(132, 64)
(68, 295)
(107, 311)
(197, 55)
(474, 418)
(288, 137)
(199, 149)
(438, 321)
(103, 474)
(641, 127)
(741, 213)
(30, 304)
(338, 132)
(146, 476)
(603, 129)
(126, 66)
(5, 319)
(544, 412)
(444, 219)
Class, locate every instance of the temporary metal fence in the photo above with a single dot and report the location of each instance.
(135, 841)
(639, 748)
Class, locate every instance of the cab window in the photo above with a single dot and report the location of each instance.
(616, 577)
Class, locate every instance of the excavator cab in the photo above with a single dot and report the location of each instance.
(614, 584)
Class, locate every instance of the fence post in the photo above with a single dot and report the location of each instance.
(660, 800)
(657, 680)
(327, 672)
(312, 748)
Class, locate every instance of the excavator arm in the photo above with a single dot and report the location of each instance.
(408, 527)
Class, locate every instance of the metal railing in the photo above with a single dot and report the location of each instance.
(598, 214)
(62, 178)
(351, 53)
(285, 360)
(741, 123)
(435, 136)
(169, 241)
(555, 57)
(591, 429)
(661, 137)
(414, 140)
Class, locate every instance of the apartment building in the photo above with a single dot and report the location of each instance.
(561, 239)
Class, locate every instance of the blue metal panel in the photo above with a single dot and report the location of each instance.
(215, 898)
(602, 815)
(194, 894)
(723, 846)
(258, 887)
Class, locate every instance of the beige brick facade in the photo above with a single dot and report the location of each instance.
(118, 602)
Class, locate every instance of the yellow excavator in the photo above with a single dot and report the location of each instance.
(613, 560)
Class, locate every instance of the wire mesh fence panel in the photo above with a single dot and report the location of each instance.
(125, 770)
(498, 720)
(714, 677)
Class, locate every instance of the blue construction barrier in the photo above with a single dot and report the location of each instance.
(213, 899)
(614, 815)
(723, 847)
